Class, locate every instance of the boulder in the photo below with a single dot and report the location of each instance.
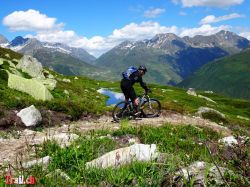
(229, 141)
(191, 91)
(31, 66)
(30, 116)
(122, 156)
(29, 86)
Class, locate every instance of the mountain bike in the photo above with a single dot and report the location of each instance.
(148, 108)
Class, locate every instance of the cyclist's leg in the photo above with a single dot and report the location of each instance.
(132, 96)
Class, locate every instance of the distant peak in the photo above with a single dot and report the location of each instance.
(166, 35)
(19, 40)
(224, 32)
(3, 39)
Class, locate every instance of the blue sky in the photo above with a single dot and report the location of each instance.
(99, 25)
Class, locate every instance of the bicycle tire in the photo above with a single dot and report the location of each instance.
(152, 112)
(120, 111)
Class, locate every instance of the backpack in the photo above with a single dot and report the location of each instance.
(128, 72)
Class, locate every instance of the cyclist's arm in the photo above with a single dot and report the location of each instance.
(143, 85)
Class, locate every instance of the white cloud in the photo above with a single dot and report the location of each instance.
(245, 35)
(182, 13)
(212, 19)
(98, 45)
(48, 30)
(152, 13)
(203, 30)
(208, 3)
(30, 20)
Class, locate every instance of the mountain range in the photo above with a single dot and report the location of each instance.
(57, 56)
(170, 59)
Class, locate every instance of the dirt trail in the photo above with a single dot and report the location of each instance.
(22, 148)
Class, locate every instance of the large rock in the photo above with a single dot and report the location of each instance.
(29, 86)
(31, 66)
(30, 116)
(122, 156)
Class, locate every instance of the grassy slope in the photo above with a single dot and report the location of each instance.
(180, 143)
(83, 97)
(229, 76)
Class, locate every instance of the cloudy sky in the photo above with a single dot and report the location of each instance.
(99, 25)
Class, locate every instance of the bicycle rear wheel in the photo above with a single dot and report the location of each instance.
(151, 108)
(121, 111)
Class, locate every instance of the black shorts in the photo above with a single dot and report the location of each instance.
(128, 90)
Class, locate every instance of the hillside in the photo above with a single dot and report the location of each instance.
(77, 128)
(229, 76)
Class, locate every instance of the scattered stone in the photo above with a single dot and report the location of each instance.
(202, 110)
(7, 55)
(126, 140)
(66, 80)
(31, 66)
(30, 116)
(191, 91)
(201, 174)
(60, 173)
(229, 141)
(244, 118)
(66, 92)
(42, 161)
(208, 91)
(64, 139)
(122, 156)
(208, 99)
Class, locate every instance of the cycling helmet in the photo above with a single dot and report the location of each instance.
(143, 68)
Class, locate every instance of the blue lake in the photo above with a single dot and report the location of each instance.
(114, 97)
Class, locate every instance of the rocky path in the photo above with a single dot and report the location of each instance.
(23, 148)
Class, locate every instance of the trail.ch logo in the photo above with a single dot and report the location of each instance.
(9, 179)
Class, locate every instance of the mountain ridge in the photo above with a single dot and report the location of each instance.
(179, 57)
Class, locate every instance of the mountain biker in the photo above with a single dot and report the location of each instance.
(129, 80)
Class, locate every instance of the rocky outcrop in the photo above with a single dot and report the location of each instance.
(31, 66)
(32, 87)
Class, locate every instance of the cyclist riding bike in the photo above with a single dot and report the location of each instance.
(130, 77)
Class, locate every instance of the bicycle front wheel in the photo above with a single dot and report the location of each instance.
(121, 111)
(151, 108)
